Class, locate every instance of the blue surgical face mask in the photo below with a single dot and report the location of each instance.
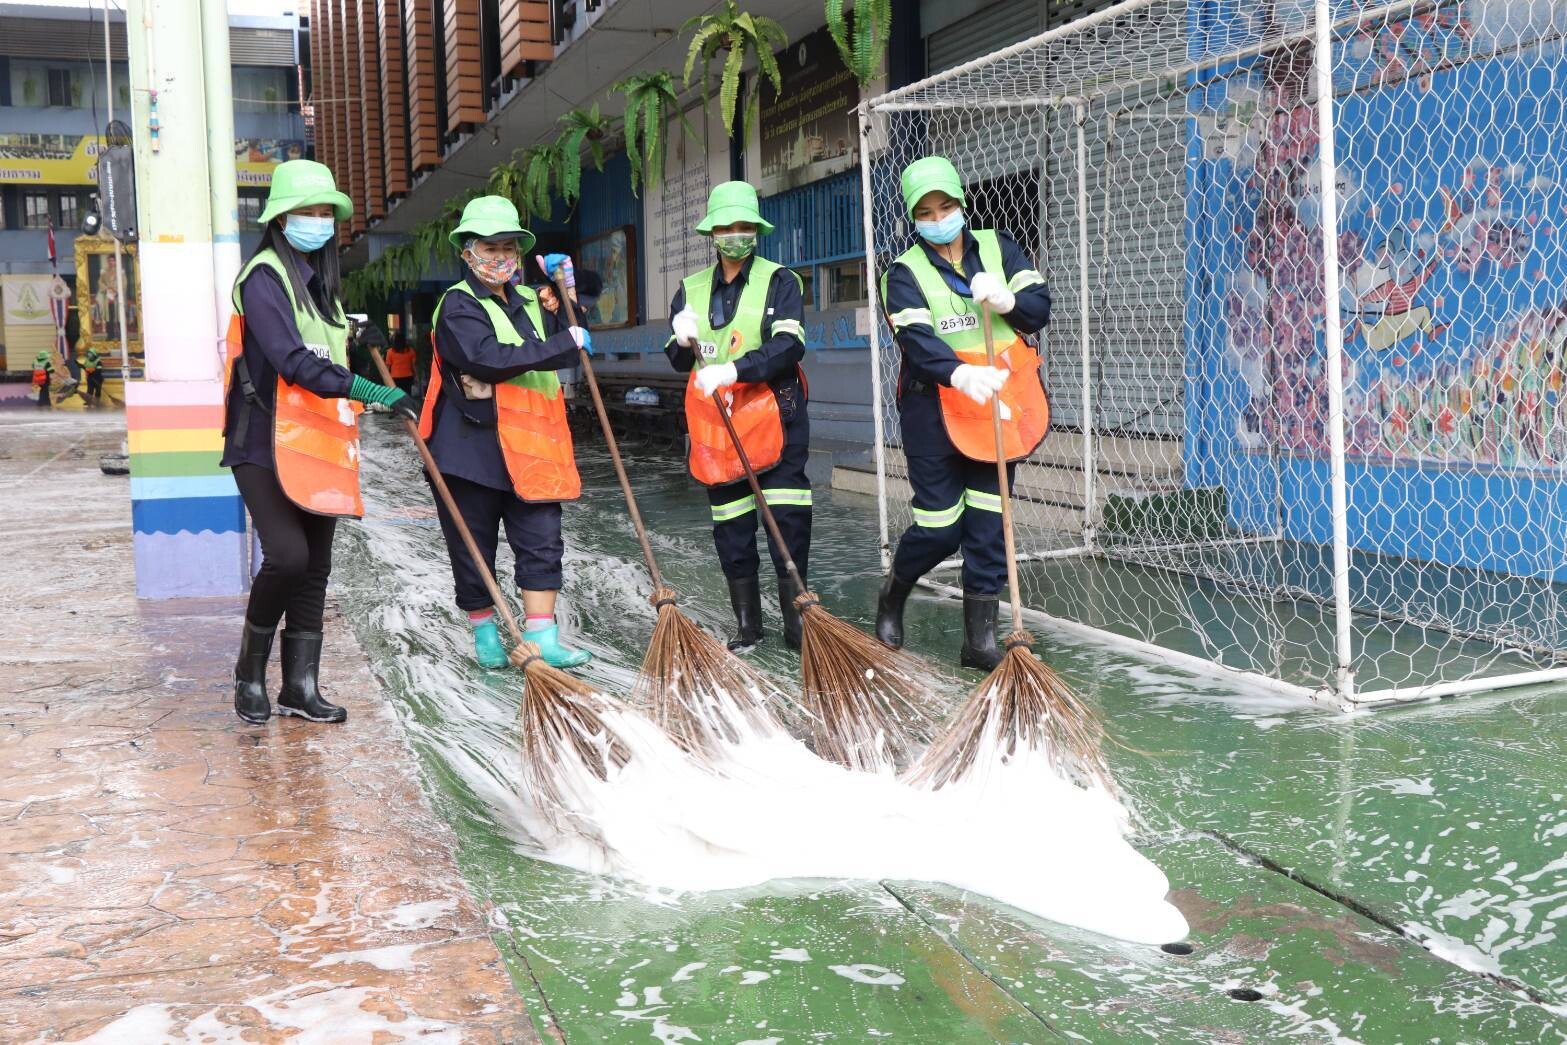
(308, 234)
(944, 231)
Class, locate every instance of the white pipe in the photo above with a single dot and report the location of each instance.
(1089, 484)
(1058, 553)
(1333, 336)
(119, 256)
(1400, 695)
(1116, 551)
(1069, 29)
(1162, 654)
(872, 302)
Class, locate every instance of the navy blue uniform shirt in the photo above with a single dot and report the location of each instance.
(777, 359)
(464, 443)
(273, 347)
(926, 357)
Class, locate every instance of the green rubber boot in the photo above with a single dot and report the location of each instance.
(556, 655)
(487, 644)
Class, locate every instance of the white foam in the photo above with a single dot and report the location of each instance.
(874, 974)
(387, 958)
(791, 954)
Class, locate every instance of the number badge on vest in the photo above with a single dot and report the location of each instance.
(709, 349)
(956, 324)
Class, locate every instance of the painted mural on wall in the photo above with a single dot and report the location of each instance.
(1454, 275)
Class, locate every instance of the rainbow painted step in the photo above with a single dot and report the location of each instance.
(186, 513)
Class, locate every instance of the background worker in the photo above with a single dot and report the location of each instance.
(92, 366)
(739, 327)
(43, 373)
(291, 434)
(400, 361)
(933, 293)
(495, 418)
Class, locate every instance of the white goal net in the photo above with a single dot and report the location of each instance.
(1309, 422)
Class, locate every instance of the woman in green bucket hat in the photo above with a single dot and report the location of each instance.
(495, 420)
(933, 294)
(739, 326)
(290, 433)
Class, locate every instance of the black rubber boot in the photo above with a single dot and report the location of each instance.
(793, 625)
(301, 693)
(889, 611)
(745, 595)
(979, 631)
(250, 674)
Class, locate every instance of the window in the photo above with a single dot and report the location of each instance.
(250, 212)
(64, 88)
(845, 283)
(35, 210)
(807, 274)
(73, 208)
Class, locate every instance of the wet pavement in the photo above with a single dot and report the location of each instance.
(168, 872)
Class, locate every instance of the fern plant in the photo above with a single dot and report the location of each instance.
(734, 34)
(651, 99)
(509, 180)
(862, 45)
(578, 128)
(540, 165)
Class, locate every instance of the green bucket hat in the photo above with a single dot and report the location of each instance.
(41, 357)
(929, 175)
(304, 183)
(491, 217)
(733, 201)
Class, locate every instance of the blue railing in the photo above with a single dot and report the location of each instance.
(816, 223)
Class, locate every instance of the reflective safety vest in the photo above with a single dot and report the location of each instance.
(530, 411)
(752, 406)
(90, 364)
(40, 375)
(315, 439)
(1025, 417)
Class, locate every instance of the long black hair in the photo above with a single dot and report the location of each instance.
(328, 304)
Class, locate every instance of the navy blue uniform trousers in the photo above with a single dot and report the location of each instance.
(532, 530)
(788, 494)
(957, 503)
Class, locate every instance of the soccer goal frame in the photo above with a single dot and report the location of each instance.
(1279, 538)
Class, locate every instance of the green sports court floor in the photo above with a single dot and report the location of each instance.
(1389, 876)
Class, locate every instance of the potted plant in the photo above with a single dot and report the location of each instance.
(734, 34)
(580, 127)
(650, 101)
(862, 45)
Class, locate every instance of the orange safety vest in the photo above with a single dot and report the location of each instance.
(752, 406)
(40, 376)
(315, 440)
(530, 412)
(1025, 417)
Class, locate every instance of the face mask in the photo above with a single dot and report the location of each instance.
(944, 231)
(736, 244)
(308, 234)
(495, 271)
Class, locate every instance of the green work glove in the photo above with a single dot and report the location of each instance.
(369, 392)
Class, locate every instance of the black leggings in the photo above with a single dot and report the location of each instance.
(296, 554)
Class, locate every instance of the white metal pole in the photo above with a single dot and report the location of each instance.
(1333, 337)
(872, 296)
(1089, 465)
(119, 257)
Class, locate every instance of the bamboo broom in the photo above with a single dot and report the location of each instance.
(690, 683)
(561, 714)
(867, 703)
(1022, 704)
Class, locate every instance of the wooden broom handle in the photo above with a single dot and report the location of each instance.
(1001, 477)
(761, 498)
(439, 482)
(609, 439)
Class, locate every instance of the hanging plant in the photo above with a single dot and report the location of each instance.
(862, 45)
(509, 180)
(540, 165)
(734, 34)
(651, 99)
(580, 127)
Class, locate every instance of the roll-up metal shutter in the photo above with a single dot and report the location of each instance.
(985, 31)
(248, 46)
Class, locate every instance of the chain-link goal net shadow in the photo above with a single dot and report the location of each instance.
(1163, 163)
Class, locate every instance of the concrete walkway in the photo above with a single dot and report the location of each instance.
(169, 872)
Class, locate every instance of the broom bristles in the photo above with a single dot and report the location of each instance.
(695, 689)
(869, 705)
(1022, 705)
(562, 718)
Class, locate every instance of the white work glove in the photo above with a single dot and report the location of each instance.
(685, 324)
(979, 383)
(711, 378)
(988, 289)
